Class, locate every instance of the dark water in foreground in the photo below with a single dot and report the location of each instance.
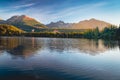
(58, 59)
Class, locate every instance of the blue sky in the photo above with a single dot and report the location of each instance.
(46, 11)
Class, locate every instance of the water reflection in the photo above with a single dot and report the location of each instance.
(24, 47)
(19, 46)
(24, 58)
(111, 44)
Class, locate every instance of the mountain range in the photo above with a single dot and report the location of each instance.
(59, 24)
(27, 23)
(24, 22)
(86, 24)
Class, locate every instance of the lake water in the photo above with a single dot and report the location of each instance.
(23, 58)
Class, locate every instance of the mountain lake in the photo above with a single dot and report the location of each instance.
(30, 58)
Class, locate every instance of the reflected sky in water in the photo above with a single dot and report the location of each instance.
(58, 59)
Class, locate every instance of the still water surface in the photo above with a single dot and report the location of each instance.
(32, 58)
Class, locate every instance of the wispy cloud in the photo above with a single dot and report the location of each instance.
(23, 6)
(49, 13)
(16, 7)
(73, 13)
(67, 11)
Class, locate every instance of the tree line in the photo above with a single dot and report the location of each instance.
(111, 32)
(9, 30)
(55, 35)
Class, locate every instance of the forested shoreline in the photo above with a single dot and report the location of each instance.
(108, 33)
(111, 32)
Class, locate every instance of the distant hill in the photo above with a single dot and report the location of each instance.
(25, 23)
(91, 24)
(9, 30)
(59, 24)
(86, 24)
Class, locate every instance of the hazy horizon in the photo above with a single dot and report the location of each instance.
(70, 11)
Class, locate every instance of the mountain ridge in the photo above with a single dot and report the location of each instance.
(59, 24)
(24, 22)
(85, 24)
(27, 23)
(91, 24)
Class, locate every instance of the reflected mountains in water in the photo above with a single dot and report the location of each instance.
(25, 47)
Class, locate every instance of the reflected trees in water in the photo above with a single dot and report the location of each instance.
(25, 47)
